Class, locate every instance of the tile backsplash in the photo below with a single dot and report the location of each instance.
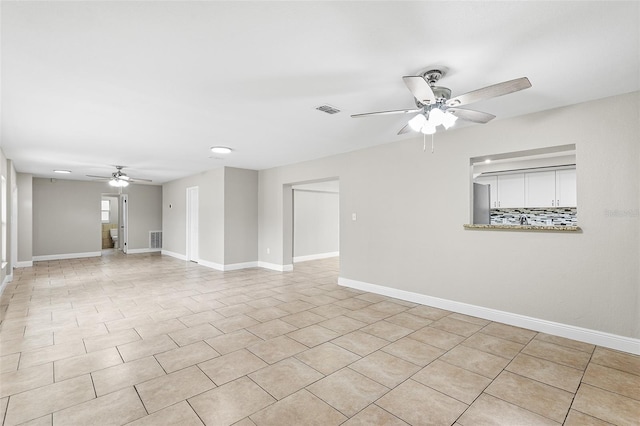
(565, 216)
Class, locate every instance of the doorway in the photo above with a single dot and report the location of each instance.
(311, 221)
(123, 222)
(110, 221)
(192, 224)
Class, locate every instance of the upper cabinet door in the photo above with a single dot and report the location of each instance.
(511, 190)
(540, 189)
(566, 193)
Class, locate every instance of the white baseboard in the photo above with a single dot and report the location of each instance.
(243, 265)
(173, 254)
(212, 265)
(275, 267)
(67, 256)
(316, 256)
(600, 338)
(24, 264)
(229, 267)
(142, 250)
(4, 283)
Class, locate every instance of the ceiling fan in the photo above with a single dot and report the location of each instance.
(119, 178)
(436, 107)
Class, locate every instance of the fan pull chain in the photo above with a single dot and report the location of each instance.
(424, 143)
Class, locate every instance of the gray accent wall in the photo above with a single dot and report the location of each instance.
(411, 206)
(66, 215)
(210, 214)
(240, 215)
(145, 213)
(227, 213)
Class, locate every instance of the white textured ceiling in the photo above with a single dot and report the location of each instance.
(152, 85)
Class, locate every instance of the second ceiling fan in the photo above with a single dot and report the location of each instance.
(436, 107)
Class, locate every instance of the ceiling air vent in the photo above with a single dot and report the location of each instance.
(328, 109)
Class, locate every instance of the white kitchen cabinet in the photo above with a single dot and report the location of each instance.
(534, 189)
(540, 189)
(566, 189)
(511, 190)
(551, 188)
(492, 181)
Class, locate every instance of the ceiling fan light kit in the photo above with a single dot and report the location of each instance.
(118, 183)
(435, 107)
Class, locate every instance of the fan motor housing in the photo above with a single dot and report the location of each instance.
(442, 94)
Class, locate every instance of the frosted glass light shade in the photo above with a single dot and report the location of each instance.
(448, 120)
(220, 150)
(417, 122)
(118, 183)
(436, 117)
(428, 129)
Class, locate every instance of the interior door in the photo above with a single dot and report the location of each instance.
(192, 224)
(123, 235)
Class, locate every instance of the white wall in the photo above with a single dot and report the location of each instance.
(25, 218)
(316, 223)
(411, 207)
(4, 206)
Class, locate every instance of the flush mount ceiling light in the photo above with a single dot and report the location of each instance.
(65, 172)
(220, 150)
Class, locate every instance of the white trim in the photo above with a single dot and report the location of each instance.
(212, 265)
(600, 338)
(316, 256)
(67, 256)
(275, 267)
(4, 283)
(173, 254)
(24, 264)
(229, 267)
(142, 250)
(237, 266)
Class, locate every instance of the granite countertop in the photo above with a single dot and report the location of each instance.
(525, 227)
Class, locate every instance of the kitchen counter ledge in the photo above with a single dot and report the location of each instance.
(525, 228)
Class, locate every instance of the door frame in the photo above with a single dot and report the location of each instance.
(123, 222)
(191, 238)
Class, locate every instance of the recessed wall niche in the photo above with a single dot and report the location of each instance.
(536, 187)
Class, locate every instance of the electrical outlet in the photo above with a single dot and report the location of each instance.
(354, 216)
(268, 251)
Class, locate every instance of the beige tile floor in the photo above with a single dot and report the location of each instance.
(151, 340)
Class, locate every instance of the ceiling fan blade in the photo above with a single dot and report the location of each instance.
(472, 115)
(395, 111)
(100, 177)
(420, 89)
(405, 129)
(139, 180)
(489, 92)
